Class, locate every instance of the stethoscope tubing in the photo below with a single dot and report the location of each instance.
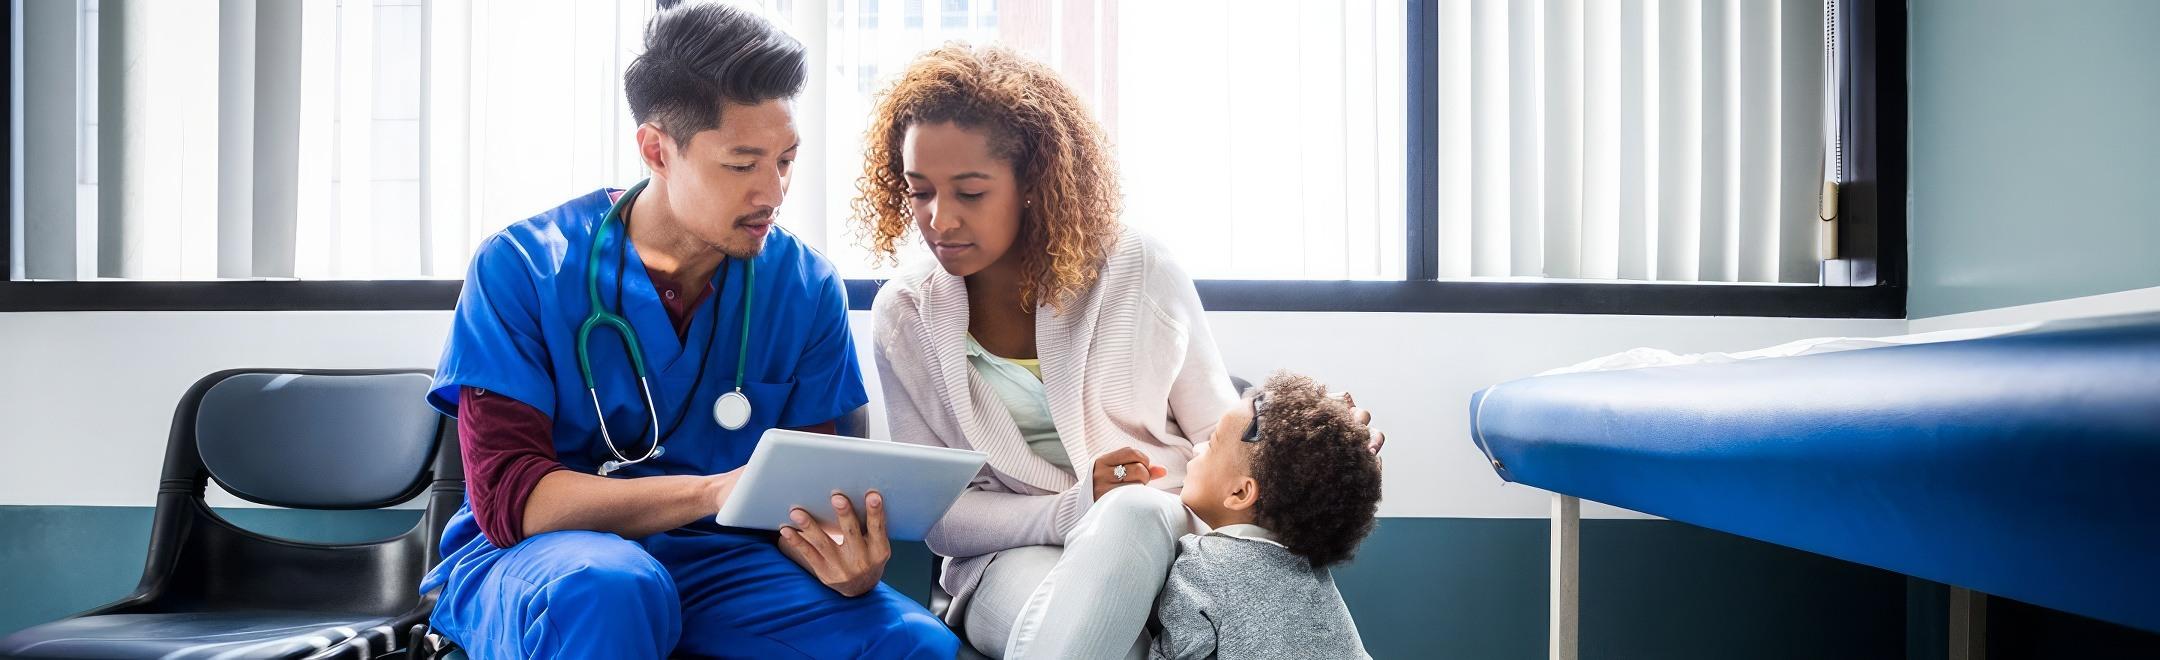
(601, 316)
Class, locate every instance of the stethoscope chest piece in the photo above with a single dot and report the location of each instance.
(732, 410)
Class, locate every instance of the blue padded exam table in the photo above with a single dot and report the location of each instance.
(2023, 465)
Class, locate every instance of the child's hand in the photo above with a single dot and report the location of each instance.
(1137, 470)
(1364, 416)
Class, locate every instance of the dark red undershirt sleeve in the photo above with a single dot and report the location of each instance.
(508, 446)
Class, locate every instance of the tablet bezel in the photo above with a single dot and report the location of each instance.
(920, 482)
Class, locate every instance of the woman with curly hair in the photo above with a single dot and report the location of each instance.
(1046, 335)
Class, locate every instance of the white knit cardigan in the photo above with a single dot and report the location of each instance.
(1130, 364)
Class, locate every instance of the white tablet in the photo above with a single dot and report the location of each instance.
(792, 469)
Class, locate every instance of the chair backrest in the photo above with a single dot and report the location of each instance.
(318, 439)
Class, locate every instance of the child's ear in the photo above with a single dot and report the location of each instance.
(1243, 493)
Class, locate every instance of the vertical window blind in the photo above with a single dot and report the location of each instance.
(325, 139)
(1658, 140)
(1669, 140)
(1255, 138)
(369, 139)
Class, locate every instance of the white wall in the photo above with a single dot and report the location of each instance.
(86, 398)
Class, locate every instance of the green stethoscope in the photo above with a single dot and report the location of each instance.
(731, 410)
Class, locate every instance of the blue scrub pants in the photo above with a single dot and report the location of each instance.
(578, 594)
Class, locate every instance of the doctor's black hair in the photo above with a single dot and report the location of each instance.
(700, 56)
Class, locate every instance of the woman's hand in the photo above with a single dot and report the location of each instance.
(850, 565)
(1137, 469)
(1364, 416)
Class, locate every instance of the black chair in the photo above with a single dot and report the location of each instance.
(308, 439)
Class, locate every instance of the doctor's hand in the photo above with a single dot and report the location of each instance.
(849, 559)
(1137, 469)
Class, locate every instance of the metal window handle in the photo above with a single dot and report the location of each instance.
(1826, 233)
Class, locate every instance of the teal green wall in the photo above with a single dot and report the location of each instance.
(2035, 151)
(1420, 587)
(59, 560)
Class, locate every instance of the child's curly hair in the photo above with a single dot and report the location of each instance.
(1319, 484)
(1037, 124)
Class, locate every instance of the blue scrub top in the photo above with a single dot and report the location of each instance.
(516, 325)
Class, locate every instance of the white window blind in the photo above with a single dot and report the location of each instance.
(1665, 140)
(1670, 140)
(1257, 139)
(317, 139)
(374, 139)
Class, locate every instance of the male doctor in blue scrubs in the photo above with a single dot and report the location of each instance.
(588, 527)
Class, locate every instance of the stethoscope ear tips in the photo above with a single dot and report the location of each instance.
(609, 466)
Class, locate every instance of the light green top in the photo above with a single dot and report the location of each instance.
(1019, 384)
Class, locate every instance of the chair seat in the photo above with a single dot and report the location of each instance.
(184, 635)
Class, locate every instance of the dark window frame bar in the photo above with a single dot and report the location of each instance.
(1869, 282)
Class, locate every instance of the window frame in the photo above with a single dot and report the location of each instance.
(1868, 283)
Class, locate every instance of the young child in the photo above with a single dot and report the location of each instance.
(1289, 487)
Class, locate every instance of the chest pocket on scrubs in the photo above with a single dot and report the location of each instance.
(767, 400)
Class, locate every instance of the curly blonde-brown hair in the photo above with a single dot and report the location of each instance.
(1037, 124)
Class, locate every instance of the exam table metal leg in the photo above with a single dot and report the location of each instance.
(1968, 624)
(1968, 608)
(1566, 597)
